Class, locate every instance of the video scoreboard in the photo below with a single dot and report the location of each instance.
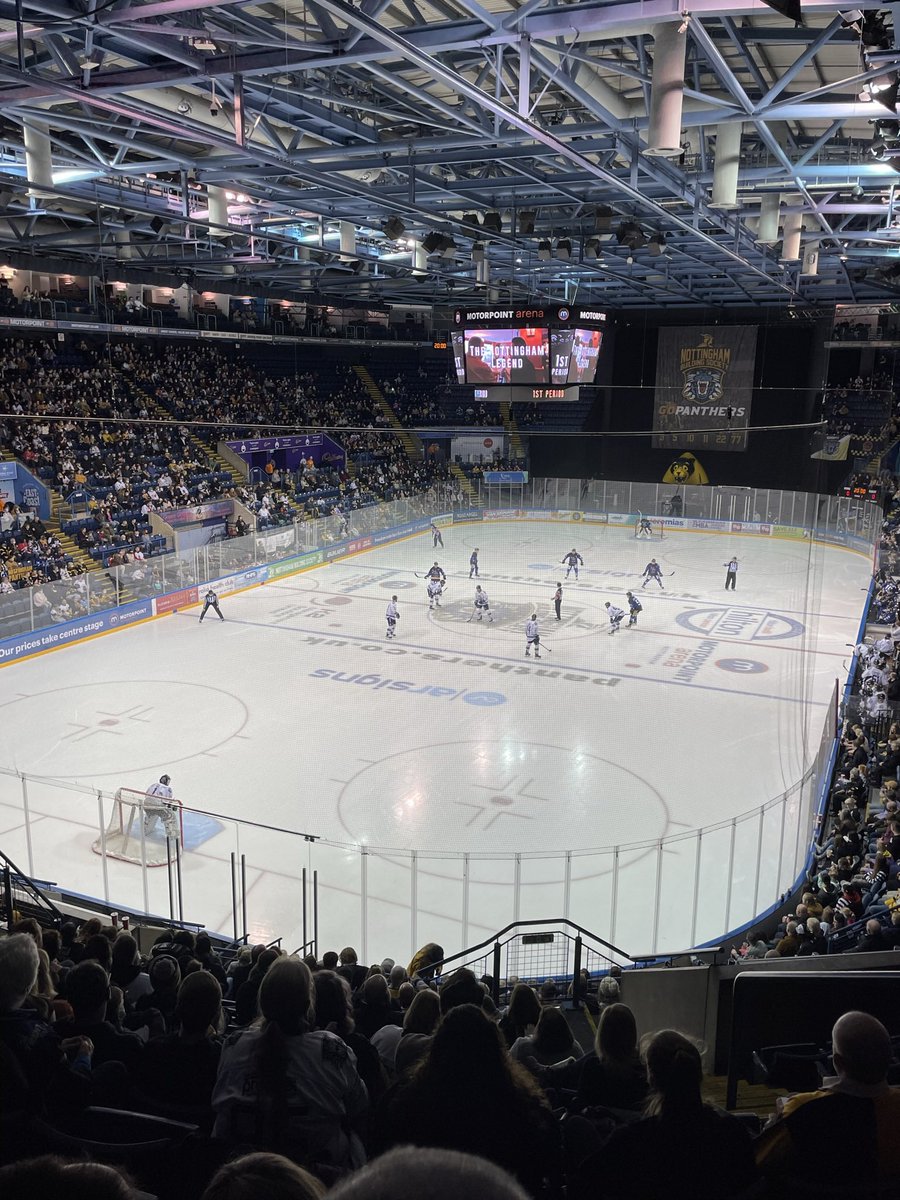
(531, 354)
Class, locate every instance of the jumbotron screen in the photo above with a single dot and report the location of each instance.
(497, 356)
(575, 354)
(458, 342)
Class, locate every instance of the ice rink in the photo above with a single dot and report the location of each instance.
(510, 779)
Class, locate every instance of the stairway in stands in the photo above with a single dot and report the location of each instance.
(54, 522)
(411, 442)
(204, 450)
(516, 446)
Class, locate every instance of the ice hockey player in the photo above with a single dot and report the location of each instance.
(532, 637)
(473, 563)
(482, 605)
(436, 538)
(436, 572)
(645, 529)
(156, 809)
(572, 562)
(392, 615)
(634, 607)
(435, 591)
(211, 600)
(653, 571)
(615, 617)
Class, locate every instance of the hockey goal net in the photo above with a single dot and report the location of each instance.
(657, 530)
(133, 811)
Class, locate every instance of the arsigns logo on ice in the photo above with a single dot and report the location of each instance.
(377, 682)
(744, 624)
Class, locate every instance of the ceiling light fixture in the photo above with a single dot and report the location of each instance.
(630, 234)
(393, 228)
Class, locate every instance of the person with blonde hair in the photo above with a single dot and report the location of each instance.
(613, 1076)
(419, 1023)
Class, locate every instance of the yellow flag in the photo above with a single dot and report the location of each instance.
(686, 468)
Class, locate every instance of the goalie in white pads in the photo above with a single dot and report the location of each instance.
(482, 604)
(615, 617)
(532, 637)
(392, 616)
(156, 809)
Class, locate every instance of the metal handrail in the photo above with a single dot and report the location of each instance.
(494, 944)
(12, 872)
(579, 929)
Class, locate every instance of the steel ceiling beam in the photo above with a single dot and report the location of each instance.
(397, 43)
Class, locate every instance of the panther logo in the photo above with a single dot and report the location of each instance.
(703, 385)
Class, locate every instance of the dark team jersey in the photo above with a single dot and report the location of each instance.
(635, 605)
(473, 557)
(436, 573)
(574, 559)
(653, 569)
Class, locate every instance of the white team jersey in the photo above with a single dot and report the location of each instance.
(435, 587)
(615, 614)
(531, 630)
(392, 612)
(160, 789)
(481, 600)
(884, 645)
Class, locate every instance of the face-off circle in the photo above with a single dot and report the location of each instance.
(498, 795)
(97, 729)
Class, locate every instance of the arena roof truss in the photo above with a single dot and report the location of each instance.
(422, 151)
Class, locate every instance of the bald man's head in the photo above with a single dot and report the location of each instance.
(862, 1048)
(411, 1172)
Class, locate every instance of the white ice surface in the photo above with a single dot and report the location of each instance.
(285, 715)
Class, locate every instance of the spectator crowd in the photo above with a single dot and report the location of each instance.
(294, 1073)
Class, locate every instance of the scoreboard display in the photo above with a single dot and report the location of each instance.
(533, 353)
(861, 492)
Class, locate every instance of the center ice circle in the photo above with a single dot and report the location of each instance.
(502, 796)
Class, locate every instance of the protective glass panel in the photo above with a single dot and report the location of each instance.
(676, 890)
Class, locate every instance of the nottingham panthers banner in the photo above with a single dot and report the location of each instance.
(704, 387)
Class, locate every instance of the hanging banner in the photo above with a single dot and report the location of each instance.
(704, 387)
(833, 449)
